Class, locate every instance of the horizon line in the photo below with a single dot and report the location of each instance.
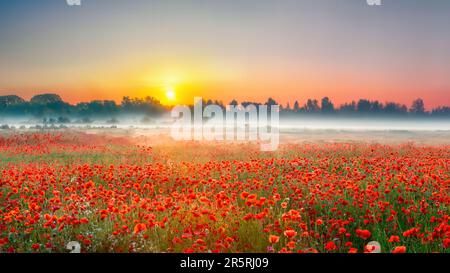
(291, 103)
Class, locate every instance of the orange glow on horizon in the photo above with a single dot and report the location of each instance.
(179, 84)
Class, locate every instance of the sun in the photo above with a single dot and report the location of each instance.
(170, 94)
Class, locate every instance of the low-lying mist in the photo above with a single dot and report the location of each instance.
(286, 123)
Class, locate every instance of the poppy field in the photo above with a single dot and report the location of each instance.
(115, 193)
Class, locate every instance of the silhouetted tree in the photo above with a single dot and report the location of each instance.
(10, 100)
(234, 103)
(270, 102)
(348, 108)
(97, 107)
(247, 103)
(376, 107)
(13, 105)
(312, 106)
(327, 106)
(148, 105)
(395, 108)
(363, 106)
(46, 99)
(296, 107)
(418, 107)
(443, 111)
(48, 104)
(288, 107)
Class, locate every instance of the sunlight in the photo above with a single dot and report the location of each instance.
(170, 94)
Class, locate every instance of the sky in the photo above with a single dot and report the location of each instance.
(224, 49)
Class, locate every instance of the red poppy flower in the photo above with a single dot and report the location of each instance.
(273, 239)
(189, 250)
(363, 234)
(200, 242)
(446, 243)
(399, 249)
(290, 233)
(139, 228)
(410, 232)
(330, 246)
(353, 250)
(291, 245)
(244, 195)
(394, 239)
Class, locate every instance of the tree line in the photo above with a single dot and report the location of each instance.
(362, 107)
(51, 105)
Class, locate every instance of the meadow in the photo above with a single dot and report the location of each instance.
(144, 193)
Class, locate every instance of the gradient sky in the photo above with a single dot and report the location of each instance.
(224, 49)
